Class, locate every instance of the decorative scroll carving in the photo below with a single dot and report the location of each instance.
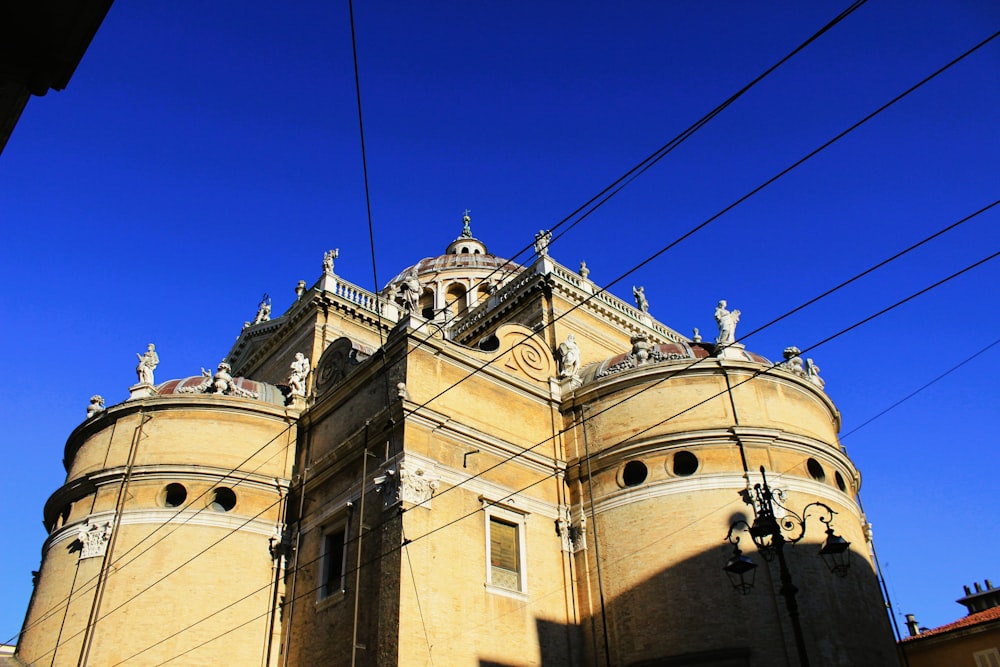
(524, 353)
(337, 361)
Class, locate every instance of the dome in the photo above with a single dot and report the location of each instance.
(663, 353)
(461, 255)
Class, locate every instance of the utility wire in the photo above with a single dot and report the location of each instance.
(751, 193)
(755, 374)
(917, 391)
(728, 208)
(169, 522)
(625, 179)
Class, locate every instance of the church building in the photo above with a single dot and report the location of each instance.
(483, 464)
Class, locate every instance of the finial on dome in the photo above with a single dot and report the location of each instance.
(466, 224)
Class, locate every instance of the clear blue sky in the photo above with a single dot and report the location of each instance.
(206, 153)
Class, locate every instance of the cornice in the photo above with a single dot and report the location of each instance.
(164, 516)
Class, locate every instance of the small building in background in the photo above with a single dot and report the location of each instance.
(973, 640)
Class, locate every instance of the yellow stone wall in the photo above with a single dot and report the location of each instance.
(165, 568)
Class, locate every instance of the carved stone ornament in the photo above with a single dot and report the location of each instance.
(408, 483)
(93, 538)
(812, 373)
(300, 289)
(339, 358)
(147, 364)
(727, 321)
(297, 374)
(573, 533)
(643, 352)
(793, 362)
(569, 358)
(263, 310)
(524, 354)
(221, 382)
(542, 240)
(641, 302)
(96, 405)
(417, 485)
(328, 258)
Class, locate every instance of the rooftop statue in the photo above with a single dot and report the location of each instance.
(641, 302)
(812, 373)
(542, 240)
(727, 321)
(263, 310)
(328, 258)
(466, 224)
(297, 375)
(569, 357)
(96, 405)
(147, 364)
(409, 291)
(584, 271)
(300, 289)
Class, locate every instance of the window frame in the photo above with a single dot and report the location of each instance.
(519, 520)
(325, 580)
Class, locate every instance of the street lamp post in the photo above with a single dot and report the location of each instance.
(770, 534)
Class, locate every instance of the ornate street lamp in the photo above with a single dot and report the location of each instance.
(770, 534)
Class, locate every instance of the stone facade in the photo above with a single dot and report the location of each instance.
(440, 489)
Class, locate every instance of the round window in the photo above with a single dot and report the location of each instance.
(223, 499)
(173, 495)
(634, 473)
(841, 484)
(685, 463)
(815, 470)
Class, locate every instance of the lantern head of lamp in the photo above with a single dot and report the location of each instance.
(740, 570)
(836, 553)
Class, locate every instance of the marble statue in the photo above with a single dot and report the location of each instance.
(793, 362)
(147, 364)
(542, 240)
(812, 373)
(263, 310)
(328, 258)
(584, 271)
(96, 405)
(727, 321)
(466, 225)
(300, 289)
(409, 290)
(297, 375)
(569, 357)
(641, 302)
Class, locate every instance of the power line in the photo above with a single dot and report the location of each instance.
(170, 521)
(625, 179)
(920, 389)
(771, 181)
(731, 206)
(755, 374)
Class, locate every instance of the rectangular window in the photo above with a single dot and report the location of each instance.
(334, 560)
(505, 561)
(505, 551)
(988, 658)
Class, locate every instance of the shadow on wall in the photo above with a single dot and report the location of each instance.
(689, 615)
